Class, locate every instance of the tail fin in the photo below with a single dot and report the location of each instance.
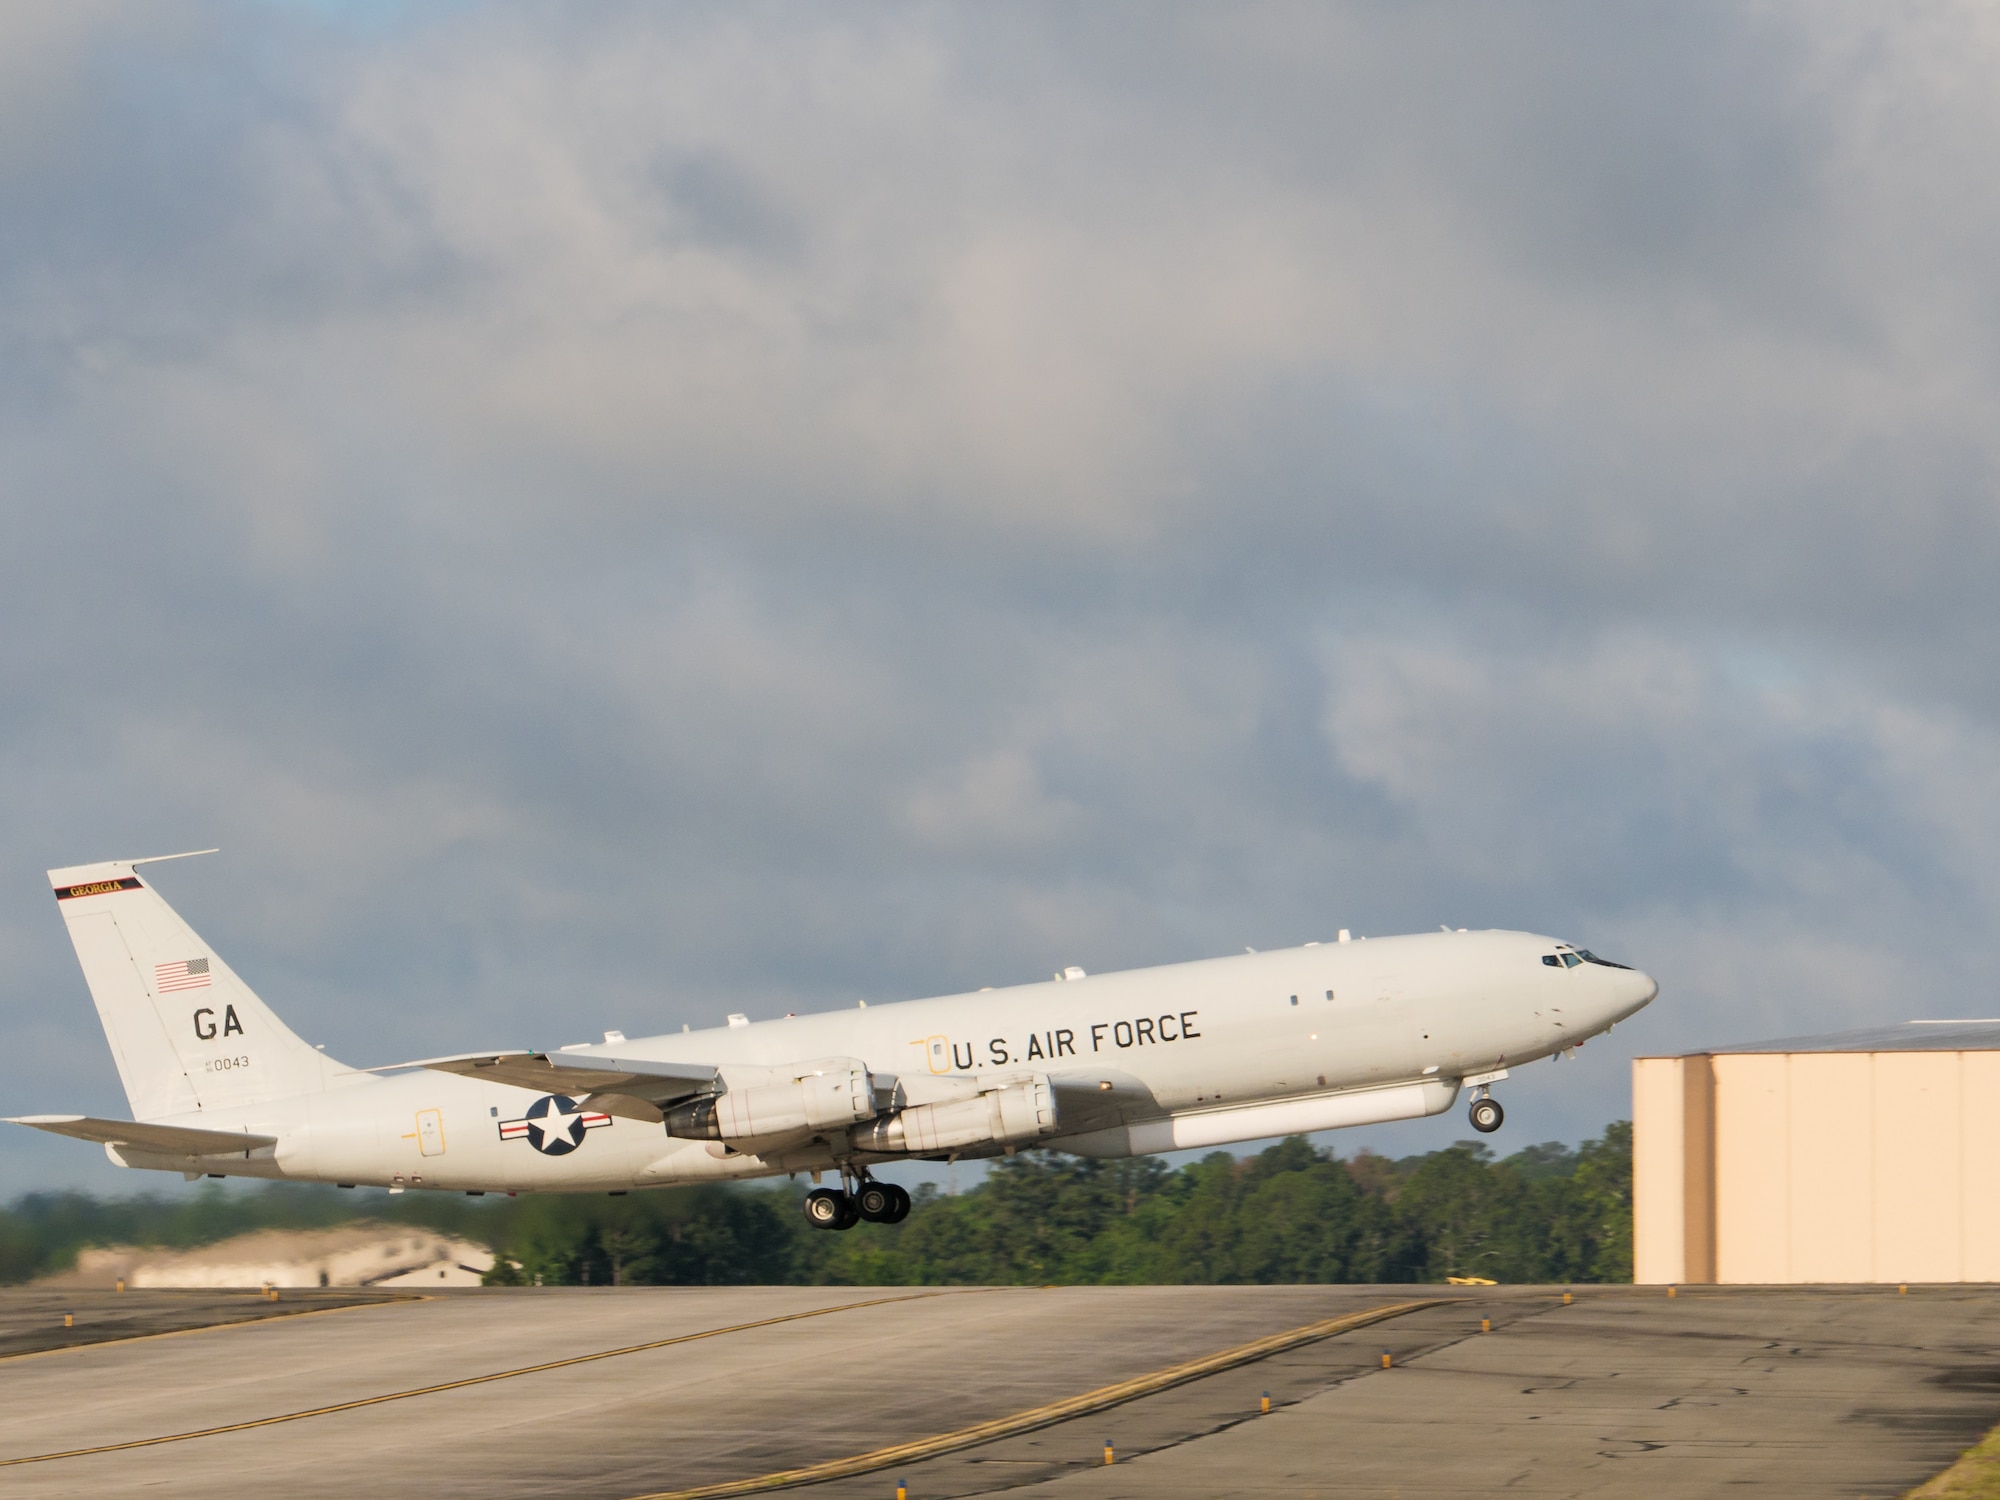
(186, 1033)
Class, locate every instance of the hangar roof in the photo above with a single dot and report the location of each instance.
(1910, 1036)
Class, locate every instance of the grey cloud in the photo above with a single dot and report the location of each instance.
(613, 515)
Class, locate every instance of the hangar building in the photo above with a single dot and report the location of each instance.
(1860, 1156)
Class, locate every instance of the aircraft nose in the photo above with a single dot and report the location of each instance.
(1642, 988)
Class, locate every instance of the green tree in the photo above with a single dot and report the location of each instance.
(1289, 1213)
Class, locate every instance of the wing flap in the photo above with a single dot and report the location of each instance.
(164, 1140)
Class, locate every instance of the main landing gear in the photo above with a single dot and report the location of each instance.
(1485, 1113)
(877, 1202)
(828, 1208)
(881, 1202)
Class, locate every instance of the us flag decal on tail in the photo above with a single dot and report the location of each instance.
(188, 974)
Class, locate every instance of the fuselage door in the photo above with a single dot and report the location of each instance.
(430, 1132)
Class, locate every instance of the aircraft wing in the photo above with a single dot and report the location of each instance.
(654, 1084)
(165, 1140)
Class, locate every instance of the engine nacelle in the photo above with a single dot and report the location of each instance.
(1004, 1116)
(820, 1101)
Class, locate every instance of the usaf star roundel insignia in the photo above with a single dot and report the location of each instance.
(554, 1125)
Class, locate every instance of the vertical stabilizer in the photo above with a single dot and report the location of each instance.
(186, 1033)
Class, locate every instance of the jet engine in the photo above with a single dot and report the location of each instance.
(820, 1101)
(1003, 1116)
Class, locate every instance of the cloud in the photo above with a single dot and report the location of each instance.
(614, 515)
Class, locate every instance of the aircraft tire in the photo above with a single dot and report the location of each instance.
(876, 1202)
(1486, 1115)
(826, 1209)
(899, 1209)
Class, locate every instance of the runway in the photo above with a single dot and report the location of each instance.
(615, 1394)
(31, 1318)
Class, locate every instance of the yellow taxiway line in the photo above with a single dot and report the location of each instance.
(470, 1380)
(1056, 1411)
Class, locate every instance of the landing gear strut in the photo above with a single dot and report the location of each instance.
(1485, 1113)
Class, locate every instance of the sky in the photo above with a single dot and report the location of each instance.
(611, 515)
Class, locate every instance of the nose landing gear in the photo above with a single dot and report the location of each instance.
(1486, 1114)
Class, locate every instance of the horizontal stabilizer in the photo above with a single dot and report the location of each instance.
(163, 1140)
(658, 1083)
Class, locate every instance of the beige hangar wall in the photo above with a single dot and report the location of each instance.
(1816, 1166)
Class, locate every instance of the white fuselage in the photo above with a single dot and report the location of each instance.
(1189, 1054)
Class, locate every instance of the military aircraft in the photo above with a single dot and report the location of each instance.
(1347, 1032)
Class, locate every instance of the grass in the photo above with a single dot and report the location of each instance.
(1976, 1475)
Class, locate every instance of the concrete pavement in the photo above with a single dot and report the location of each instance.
(1854, 1392)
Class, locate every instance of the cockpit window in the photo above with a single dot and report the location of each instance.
(1569, 958)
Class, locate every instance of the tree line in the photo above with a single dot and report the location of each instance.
(1289, 1213)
